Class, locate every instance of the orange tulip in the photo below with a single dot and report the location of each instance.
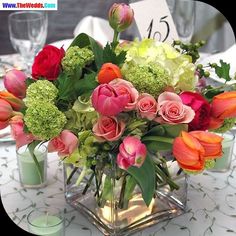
(108, 72)
(224, 105)
(210, 142)
(5, 113)
(193, 148)
(15, 102)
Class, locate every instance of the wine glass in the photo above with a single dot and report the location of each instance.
(28, 33)
(184, 19)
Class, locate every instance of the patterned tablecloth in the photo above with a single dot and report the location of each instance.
(211, 201)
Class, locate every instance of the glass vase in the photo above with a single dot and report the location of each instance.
(115, 217)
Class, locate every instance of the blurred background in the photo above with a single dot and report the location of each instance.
(209, 23)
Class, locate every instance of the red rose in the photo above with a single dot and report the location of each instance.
(48, 63)
(201, 107)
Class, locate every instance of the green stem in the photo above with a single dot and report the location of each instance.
(88, 184)
(122, 193)
(115, 37)
(31, 147)
(71, 175)
(81, 176)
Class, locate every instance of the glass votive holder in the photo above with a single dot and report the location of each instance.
(222, 164)
(32, 175)
(47, 221)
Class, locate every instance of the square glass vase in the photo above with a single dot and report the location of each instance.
(109, 217)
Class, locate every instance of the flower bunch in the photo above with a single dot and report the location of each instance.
(121, 105)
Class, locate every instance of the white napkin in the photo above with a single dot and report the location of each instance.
(96, 27)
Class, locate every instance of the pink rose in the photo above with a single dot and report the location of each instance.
(17, 132)
(201, 108)
(172, 110)
(132, 153)
(124, 87)
(108, 128)
(65, 144)
(147, 106)
(107, 101)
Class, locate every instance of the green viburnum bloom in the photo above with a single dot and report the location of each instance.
(209, 164)
(41, 91)
(227, 125)
(76, 57)
(148, 78)
(179, 67)
(44, 120)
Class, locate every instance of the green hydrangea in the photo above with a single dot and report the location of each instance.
(179, 67)
(150, 78)
(44, 120)
(227, 125)
(41, 91)
(76, 57)
(81, 116)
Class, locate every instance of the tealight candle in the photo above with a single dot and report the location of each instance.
(30, 175)
(222, 164)
(46, 221)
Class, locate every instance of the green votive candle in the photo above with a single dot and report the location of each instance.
(222, 164)
(30, 175)
(46, 221)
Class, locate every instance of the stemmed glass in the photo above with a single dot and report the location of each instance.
(28, 33)
(184, 18)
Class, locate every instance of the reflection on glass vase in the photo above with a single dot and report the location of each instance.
(115, 211)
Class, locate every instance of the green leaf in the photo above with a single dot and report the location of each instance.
(83, 40)
(110, 56)
(85, 85)
(153, 147)
(145, 177)
(223, 70)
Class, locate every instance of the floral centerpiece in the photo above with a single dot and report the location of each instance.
(119, 116)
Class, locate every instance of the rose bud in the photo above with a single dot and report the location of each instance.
(120, 16)
(6, 113)
(14, 82)
(108, 72)
(132, 152)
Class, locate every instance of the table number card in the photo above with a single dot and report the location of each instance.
(154, 20)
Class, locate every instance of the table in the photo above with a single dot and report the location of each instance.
(211, 200)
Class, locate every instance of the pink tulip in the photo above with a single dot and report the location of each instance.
(147, 106)
(14, 82)
(124, 87)
(120, 16)
(107, 101)
(108, 128)
(6, 113)
(172, 110)
(65, 144)
(17, 131)
(132, 153)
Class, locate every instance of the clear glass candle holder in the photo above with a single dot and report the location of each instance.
(32, 175)
(222, 164)
(47, 221)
